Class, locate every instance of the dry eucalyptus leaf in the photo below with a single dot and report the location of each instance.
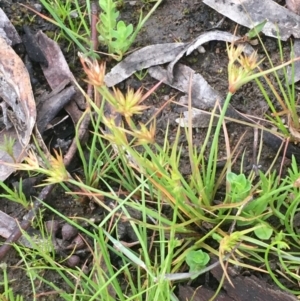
(58, 69)
(143, 58)
(202, 94)
(203, 97)
(17, 106)
(293, 5)
(58, 72)
(215, 35)
(252, 12)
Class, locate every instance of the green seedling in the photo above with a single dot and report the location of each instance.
(116, 35)
(197, 260)
(264, 232)
(15, 195)
(240, 186)
(254, 32)
(8, 146)
(268, 200)
(141, 74)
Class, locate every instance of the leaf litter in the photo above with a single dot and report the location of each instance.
(281, 22)
(203, 96)
(18, 105)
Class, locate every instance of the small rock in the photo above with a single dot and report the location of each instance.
(38, 7)
(166, 97)
(77, 243)
(52, 227)
(201, 49)
(73, 261)
(68, 232)
(74, 14)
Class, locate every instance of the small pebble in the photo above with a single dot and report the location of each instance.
(77, 243)
(201, 49)
(68, 232)
(38, 7)
(74, 14)
(166, 97)
(73, 261)
(52, 227)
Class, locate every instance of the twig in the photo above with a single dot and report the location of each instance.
(94, 20)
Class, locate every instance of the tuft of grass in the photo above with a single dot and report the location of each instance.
(116, 35)
(15, 195)
(71, 19)
(285, 111)
(8, 293)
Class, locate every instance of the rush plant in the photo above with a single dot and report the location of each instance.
(285, 111)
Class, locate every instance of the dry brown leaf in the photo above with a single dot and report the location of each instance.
(18, 106)
(57, 72)
(143, 58)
